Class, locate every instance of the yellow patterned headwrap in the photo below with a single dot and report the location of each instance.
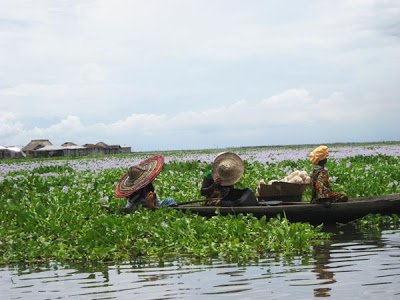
(318, 154)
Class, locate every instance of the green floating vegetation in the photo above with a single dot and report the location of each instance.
(375, 223)
(51, 209)
(144, 234)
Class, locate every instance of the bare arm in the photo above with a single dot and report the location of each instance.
(208, 186)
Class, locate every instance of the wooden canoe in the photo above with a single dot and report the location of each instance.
(313, 213)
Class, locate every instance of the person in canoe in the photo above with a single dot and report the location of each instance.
(321, 190)
(136, 185)
(218, 182)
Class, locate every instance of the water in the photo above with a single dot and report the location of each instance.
(352, 266)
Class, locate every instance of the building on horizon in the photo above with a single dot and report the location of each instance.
(11, 152)
(34, 145)
(43, 148)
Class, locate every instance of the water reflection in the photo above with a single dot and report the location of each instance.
(322, 260)
(351, 266)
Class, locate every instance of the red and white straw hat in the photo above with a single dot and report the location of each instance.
(139, 176)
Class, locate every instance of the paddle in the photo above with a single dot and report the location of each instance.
(192, 201)
(261, 203)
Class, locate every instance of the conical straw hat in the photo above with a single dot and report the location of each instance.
(228, 167)
(139, 176)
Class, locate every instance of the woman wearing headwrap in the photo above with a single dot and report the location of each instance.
(321, 190)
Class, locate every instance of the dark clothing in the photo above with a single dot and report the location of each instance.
(213, 192)
(321, 190)
(141, 198)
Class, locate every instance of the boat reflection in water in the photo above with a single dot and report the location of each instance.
(322, 260)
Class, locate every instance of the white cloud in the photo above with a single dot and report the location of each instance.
(292, 115)
(174, 72)
(289, 98)
(36, 90)
(88, 97)
(6, 116)
(10, 128)
(92, 73)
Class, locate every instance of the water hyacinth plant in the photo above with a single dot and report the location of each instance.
(154, 235)
(375, 223)
(51, 209)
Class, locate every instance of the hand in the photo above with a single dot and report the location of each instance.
(217, 181)
(150, 200)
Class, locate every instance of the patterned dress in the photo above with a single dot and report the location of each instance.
(321, 190)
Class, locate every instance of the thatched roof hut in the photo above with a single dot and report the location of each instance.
(89, 145)
(103, 148)
(57, 151)
(125, 149)
(101, 145)
(35, 145)
(67, 144)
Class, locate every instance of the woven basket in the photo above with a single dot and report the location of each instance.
(283, 191)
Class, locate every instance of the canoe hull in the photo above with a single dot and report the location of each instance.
(313, 213)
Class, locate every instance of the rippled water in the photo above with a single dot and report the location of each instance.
(351, 267)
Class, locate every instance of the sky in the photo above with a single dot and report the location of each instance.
(191, 74)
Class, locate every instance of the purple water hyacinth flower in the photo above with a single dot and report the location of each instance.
(65, 189)
(287, 170)
(15, 186)
(104, 199)
(263, 155)
(51, 189)
(50, 174)
(333, 179)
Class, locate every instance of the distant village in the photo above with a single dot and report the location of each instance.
(44, 148)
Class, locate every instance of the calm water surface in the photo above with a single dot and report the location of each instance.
(352, 266)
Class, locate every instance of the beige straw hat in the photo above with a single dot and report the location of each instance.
(228, 167)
